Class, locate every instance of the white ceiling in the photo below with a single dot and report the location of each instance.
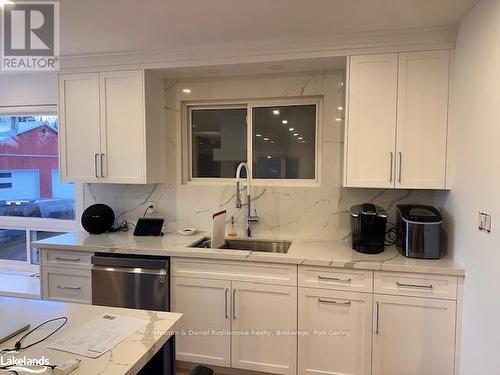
(103, 26)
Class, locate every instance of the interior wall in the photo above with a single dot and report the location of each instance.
(475, 124)
(318, 212)
(28, 89)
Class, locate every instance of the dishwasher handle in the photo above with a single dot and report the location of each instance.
(136, 270)
(130, 262)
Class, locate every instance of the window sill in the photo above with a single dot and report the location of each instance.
(19, 284)
(256, 182)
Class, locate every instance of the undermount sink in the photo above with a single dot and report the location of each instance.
(266, 246)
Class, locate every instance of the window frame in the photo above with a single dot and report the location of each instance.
(249, 104)
(37, 224)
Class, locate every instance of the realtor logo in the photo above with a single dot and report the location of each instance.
(30, 36)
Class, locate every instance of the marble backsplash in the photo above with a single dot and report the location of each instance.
(312, 212)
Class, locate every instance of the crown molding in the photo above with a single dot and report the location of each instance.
(269, 51)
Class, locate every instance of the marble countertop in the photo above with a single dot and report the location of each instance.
(128, 357)
(317, 253)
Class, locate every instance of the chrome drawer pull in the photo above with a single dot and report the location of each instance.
(69, 287)
(225, 303)
(234, 303)
(414, 285)
(321, 300)
(68, 259)
(377, 331)
(348, 280)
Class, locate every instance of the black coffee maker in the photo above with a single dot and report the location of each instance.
(368, 225)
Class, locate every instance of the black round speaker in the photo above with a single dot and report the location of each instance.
(98, 218)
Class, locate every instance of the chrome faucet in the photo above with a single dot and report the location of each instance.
(249, 218)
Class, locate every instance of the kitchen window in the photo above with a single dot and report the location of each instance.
(278, 139)
(34, 203)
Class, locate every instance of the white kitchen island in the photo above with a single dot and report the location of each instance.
(128, 357)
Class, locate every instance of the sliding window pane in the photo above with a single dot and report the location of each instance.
(13, 245)
(30, 184)
(284, 142)
(218, 141)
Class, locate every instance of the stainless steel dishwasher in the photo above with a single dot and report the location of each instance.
(136, 282)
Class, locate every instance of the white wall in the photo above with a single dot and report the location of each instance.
(475, 121)
(28, 89)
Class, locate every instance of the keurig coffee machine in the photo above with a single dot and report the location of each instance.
(368, 225)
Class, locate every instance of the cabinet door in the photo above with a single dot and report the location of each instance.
(371, 123)
(422, 119)
(413, 336)
(264, 320)
(205, 325)
(79, 120)
(122, 127)
(339, 326)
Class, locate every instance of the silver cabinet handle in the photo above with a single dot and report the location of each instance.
(234, 303)
(348, 280)
(68, 259)
(334, 302)
(400, 165)
(69, 287)
(95, 165)
(392, 167)
(429, 286)
(225, 303)
(102, 166)
(377, 308)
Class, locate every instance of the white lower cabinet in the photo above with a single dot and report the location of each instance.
(339, 332)
(264, 325)
(413, 336)
(205, 307)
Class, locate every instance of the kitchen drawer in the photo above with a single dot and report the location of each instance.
(68, 285)
(266, 273)
(336, 278)
(66, 259)
(415, 284)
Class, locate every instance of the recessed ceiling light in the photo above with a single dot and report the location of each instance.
(300, 138)
(258, 135)
(276, 67)
(338, 119)
(186, 91)
(295, 134)
(340, 108)
(269, 156)
(284, 122)
(266, 139)
(272, 142)
(291, 129)
(303, 141)
(276, 112)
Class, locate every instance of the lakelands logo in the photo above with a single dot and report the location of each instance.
(30, 35)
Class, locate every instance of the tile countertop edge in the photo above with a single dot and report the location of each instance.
(309, 253)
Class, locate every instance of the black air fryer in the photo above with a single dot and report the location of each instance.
(368, 223)
(419, 231)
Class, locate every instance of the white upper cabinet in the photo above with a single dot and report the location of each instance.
(422, 119)
(80, 132)
(397, 121)
(112, 127)
(371, 123)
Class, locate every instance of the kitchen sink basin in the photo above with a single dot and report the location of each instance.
(266, 246)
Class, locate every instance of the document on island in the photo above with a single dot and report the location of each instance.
(98, 336)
